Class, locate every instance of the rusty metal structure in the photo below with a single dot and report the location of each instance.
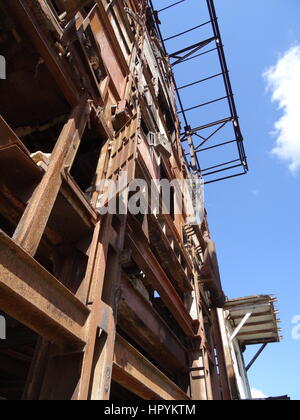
(246, 321)
(111, 306)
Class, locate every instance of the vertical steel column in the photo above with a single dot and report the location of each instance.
(35, 218)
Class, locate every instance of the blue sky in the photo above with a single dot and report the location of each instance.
(254, 219)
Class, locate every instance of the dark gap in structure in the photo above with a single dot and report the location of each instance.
(119, 393)
(43, 139)
(28, 82)
(16, 353)
(85, 164)
(6, 226)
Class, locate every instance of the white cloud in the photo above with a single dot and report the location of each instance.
(283, 80)
(256, 393)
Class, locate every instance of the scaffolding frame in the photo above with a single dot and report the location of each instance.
(198, 143)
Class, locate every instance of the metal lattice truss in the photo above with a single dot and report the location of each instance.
(195, 139)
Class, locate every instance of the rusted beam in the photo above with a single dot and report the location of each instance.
(113, 38)
(8, 136)
(167, 255)
(34, 220)
(104, 348)
(31, 295)
(211, 274)
(104, 272)
(96, 274)
(147, 262)
(200, 375)
(36, 372)
(103, 355)
(167, 219)
(133, 371)
(140, 321)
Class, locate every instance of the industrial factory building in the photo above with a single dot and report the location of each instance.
(99, 303)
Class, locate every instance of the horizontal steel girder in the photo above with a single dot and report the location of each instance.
(31, 295)
(133, 371)
(145, 259)
(141, 322)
